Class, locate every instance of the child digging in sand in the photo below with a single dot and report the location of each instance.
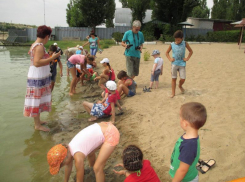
(186, 152)
(157, 68)
(135, 168)
(126, 85)
(102, 135)
(178, 60)
(106, 108)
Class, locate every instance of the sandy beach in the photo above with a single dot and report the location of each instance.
(215, 76)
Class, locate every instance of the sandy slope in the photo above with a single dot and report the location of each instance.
(215, 76)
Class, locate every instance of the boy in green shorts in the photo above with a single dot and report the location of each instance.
(186, 152)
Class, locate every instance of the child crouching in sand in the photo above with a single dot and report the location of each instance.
(157, 68)
(102, 135)
(136, 169)
(106, 108)
(186, 152)
(126, 85)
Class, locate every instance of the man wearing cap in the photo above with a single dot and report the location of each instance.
(133, 42)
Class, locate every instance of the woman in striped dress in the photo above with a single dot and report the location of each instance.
(38, 92)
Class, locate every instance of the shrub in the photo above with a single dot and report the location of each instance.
(224, 36)
(117, 36)
(146, 56)
(105, 46)
(190, 38)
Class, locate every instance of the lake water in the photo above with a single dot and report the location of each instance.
(23, 150)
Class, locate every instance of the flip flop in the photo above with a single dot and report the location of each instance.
(199, 162)
(205, 166)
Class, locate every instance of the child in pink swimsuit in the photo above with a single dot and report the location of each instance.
(99, 135)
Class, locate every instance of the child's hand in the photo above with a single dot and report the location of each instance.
(172, 60)
(122, 172)
(56, 55)
(185, 59)
(161, 72)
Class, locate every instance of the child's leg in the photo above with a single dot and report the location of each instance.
(156, 84)
(73, 82)
(52, 86)
(182, 78)
(91, 159)
(82, 78)
(181, 82)
(38, 124)
(67, 70)
(173, 87)
(105, 152)
(151, 84)
(79, 164)
(122, 89)
(88, 106)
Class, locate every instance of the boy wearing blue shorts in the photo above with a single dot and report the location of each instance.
(178, 60)
(157, 68)
(186, 152)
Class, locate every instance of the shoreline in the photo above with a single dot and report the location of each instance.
(151, 120)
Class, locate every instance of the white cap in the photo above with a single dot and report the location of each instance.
(111, 85)
(80, 47)
(105, 60)
(55, 44)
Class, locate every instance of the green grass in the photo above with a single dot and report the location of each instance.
(67, 43)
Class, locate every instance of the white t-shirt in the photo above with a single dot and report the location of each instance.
(159, 62)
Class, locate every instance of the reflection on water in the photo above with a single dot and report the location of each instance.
(23, 150)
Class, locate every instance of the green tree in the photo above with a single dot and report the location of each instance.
(90, 12)
(219, 10)
(173, 11)
(124, 3)
(138, 8)
(201, 11)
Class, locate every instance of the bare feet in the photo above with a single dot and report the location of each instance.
(172, 95)
(92, 119)
(42, 128)
(71, 94)
(182, 90)
(43, 122)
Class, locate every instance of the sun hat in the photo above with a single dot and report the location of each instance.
(55, 157)
(55, 44)
(80, 47)
(111, 85)
(155, 52)
(105, 60)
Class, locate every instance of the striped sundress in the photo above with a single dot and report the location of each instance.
(38, 92)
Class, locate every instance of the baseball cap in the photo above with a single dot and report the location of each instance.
(55, 157)
(155, 52)
(55, 43)
(111, 85)
(105, 60)
(80, 47)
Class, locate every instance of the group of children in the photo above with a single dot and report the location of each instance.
(105, 135)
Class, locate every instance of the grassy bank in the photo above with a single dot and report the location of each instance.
(65, 44)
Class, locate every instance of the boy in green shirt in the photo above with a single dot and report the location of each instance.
(186, 152)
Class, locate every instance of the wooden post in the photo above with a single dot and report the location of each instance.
(241, 37)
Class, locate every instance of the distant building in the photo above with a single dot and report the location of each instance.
(123, 17)
(214, 24)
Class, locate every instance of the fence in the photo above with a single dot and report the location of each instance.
(78, 32)
(17, 35)
(197, 31)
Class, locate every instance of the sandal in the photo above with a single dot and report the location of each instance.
(205, 166)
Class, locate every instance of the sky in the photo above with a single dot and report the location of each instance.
(31, 12)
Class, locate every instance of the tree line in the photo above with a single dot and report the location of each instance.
(90, 13)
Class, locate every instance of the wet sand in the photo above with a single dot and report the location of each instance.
(215, 76)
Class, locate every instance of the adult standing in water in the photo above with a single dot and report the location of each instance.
(133, 42)
(38, 92)
(94, 44)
